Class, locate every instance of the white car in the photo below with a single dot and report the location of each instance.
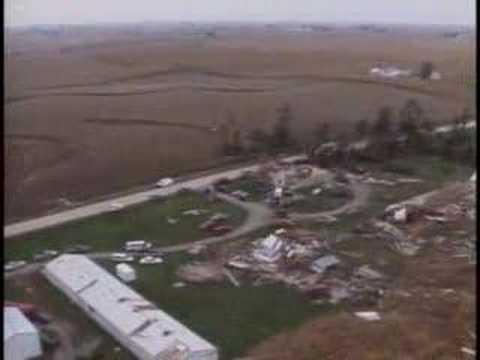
(116, 206)
(164, 182)
(13, 265)
(122, 257)
(151, 260)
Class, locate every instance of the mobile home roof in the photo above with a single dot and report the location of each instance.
(134, 317)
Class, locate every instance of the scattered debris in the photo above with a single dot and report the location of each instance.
(214, 220)
(179, 284)
(324, 263)
(401, 243)
(240, 194)
(194, 212)
(366, 272)
(469, 351)
(400, 216)
(439, 219)
(326, 219)
(230, 276)
(269, 249)
(338, 294)
(238, 264)
(196, 249)
(368, 315)
(373, 181)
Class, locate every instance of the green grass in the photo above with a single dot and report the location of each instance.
(433, 169)
(109, 232)
(248, 184)
(326, 200)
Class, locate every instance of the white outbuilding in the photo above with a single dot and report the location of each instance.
(125, 272)
(148, 332)
(21, 340)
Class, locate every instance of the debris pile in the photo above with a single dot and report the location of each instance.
(301, 259)
(400, 242)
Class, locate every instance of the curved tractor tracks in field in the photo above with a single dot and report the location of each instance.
(78, 89)
(67, 150)
(145, 122)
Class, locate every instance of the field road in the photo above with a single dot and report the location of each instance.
(101, 207)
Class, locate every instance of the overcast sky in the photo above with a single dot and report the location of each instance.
(28, 12)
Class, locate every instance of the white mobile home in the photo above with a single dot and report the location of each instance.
(148, 332)
(20, 338)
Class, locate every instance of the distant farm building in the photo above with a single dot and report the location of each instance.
(148, 332)
(21, 339)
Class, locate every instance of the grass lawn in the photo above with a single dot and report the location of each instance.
(249, 184)
(328, 199)
(108, 232)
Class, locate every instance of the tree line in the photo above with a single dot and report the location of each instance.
(390, 132)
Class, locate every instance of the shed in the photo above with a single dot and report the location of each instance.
(20, 338)
(125, 272)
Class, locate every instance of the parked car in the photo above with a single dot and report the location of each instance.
(122, 257)
(151, 260)
(14, 265)
(116, 206)
(164, 182)
(137, 246)
(221, 229)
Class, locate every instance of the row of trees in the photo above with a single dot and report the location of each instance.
(260, 141)
(407, 130)
(390, 132)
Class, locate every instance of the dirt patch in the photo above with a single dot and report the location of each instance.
(201, 272)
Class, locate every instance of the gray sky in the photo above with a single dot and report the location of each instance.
(28, 12)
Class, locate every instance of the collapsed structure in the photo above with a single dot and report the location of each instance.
(137, 324)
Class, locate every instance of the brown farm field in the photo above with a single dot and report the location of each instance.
(93, 111)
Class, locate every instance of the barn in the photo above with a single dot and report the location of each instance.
(20, 338)
(148, 332)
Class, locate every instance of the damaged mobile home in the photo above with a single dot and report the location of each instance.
(137, 324)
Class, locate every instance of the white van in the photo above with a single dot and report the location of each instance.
(139, 245)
